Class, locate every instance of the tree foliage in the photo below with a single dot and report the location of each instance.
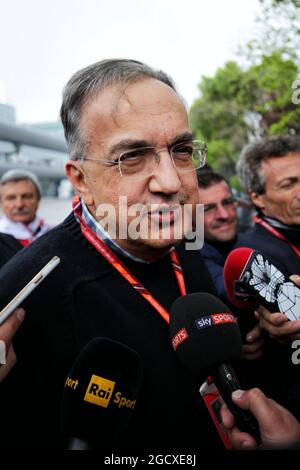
(277, 29)
(242, 102)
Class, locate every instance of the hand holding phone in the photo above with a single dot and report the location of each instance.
(248, 274)
(271, 287)
(35, 281)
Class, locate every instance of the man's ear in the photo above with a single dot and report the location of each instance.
(78, 179)
(257, 199)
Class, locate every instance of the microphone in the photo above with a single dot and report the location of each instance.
(100, 394)
(251, 278)
(206, 337)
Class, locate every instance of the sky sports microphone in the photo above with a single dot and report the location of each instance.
(251, 279)
(206, 337)
(100, 394)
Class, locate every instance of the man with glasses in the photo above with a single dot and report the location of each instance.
(123, 262)
(220, 236)
(220, 223)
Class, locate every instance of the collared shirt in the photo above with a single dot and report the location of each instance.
(25, 233)
(101, 233)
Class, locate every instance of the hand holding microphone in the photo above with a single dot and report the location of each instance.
(206, 338)
(278, 427)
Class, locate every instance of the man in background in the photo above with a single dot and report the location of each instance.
(220, 237)
(269, 170)
(220, 224)
(20, 194)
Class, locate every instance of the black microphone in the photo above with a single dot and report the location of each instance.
(100, 394)
(206, 337)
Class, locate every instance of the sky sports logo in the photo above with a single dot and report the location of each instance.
(181, 336)
(214, 319)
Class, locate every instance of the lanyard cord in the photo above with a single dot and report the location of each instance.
(110, 256)
(276, 233)
(33, 233)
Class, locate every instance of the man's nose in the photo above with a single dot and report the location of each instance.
(165, 178)
(297, 194)
(19, 202)
(221, 211)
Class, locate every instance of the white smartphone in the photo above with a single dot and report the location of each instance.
(35, 281)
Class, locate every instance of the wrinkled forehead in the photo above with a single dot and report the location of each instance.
(18, 186)
(143, 96)
(275, 169)
(147, 107)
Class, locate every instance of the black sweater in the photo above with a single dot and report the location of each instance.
(83, 298)
(8, 247)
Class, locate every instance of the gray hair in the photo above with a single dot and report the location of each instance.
(13, 176)
(88, 82)
(249, 165)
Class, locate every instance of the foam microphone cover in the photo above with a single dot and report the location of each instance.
(103, 372)
(204, 332)
(233, 268)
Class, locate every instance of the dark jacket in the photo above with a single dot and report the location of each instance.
(275, 249)
(83, 298)
(284, 375)
(215, 254)
(8, 247)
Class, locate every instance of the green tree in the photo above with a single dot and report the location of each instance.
(277, 29)
(239, 103)
(218, 116)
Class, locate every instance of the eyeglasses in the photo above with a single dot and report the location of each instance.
(142, 162)
(228, 203)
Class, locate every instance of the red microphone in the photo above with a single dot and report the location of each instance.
(251, 278)
(234, 266)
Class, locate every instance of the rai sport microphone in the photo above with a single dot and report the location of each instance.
(251, 278)
(206, 337)
(100, 394)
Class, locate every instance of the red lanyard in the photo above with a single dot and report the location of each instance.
(110, 256)
(275, 232)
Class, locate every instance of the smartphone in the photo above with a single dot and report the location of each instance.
(269, 286)
(35, 281)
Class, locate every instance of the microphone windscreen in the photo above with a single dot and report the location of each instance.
(204, 332)
(100, 392)
(233, 268)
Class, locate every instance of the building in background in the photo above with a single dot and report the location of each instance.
(40, 148)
